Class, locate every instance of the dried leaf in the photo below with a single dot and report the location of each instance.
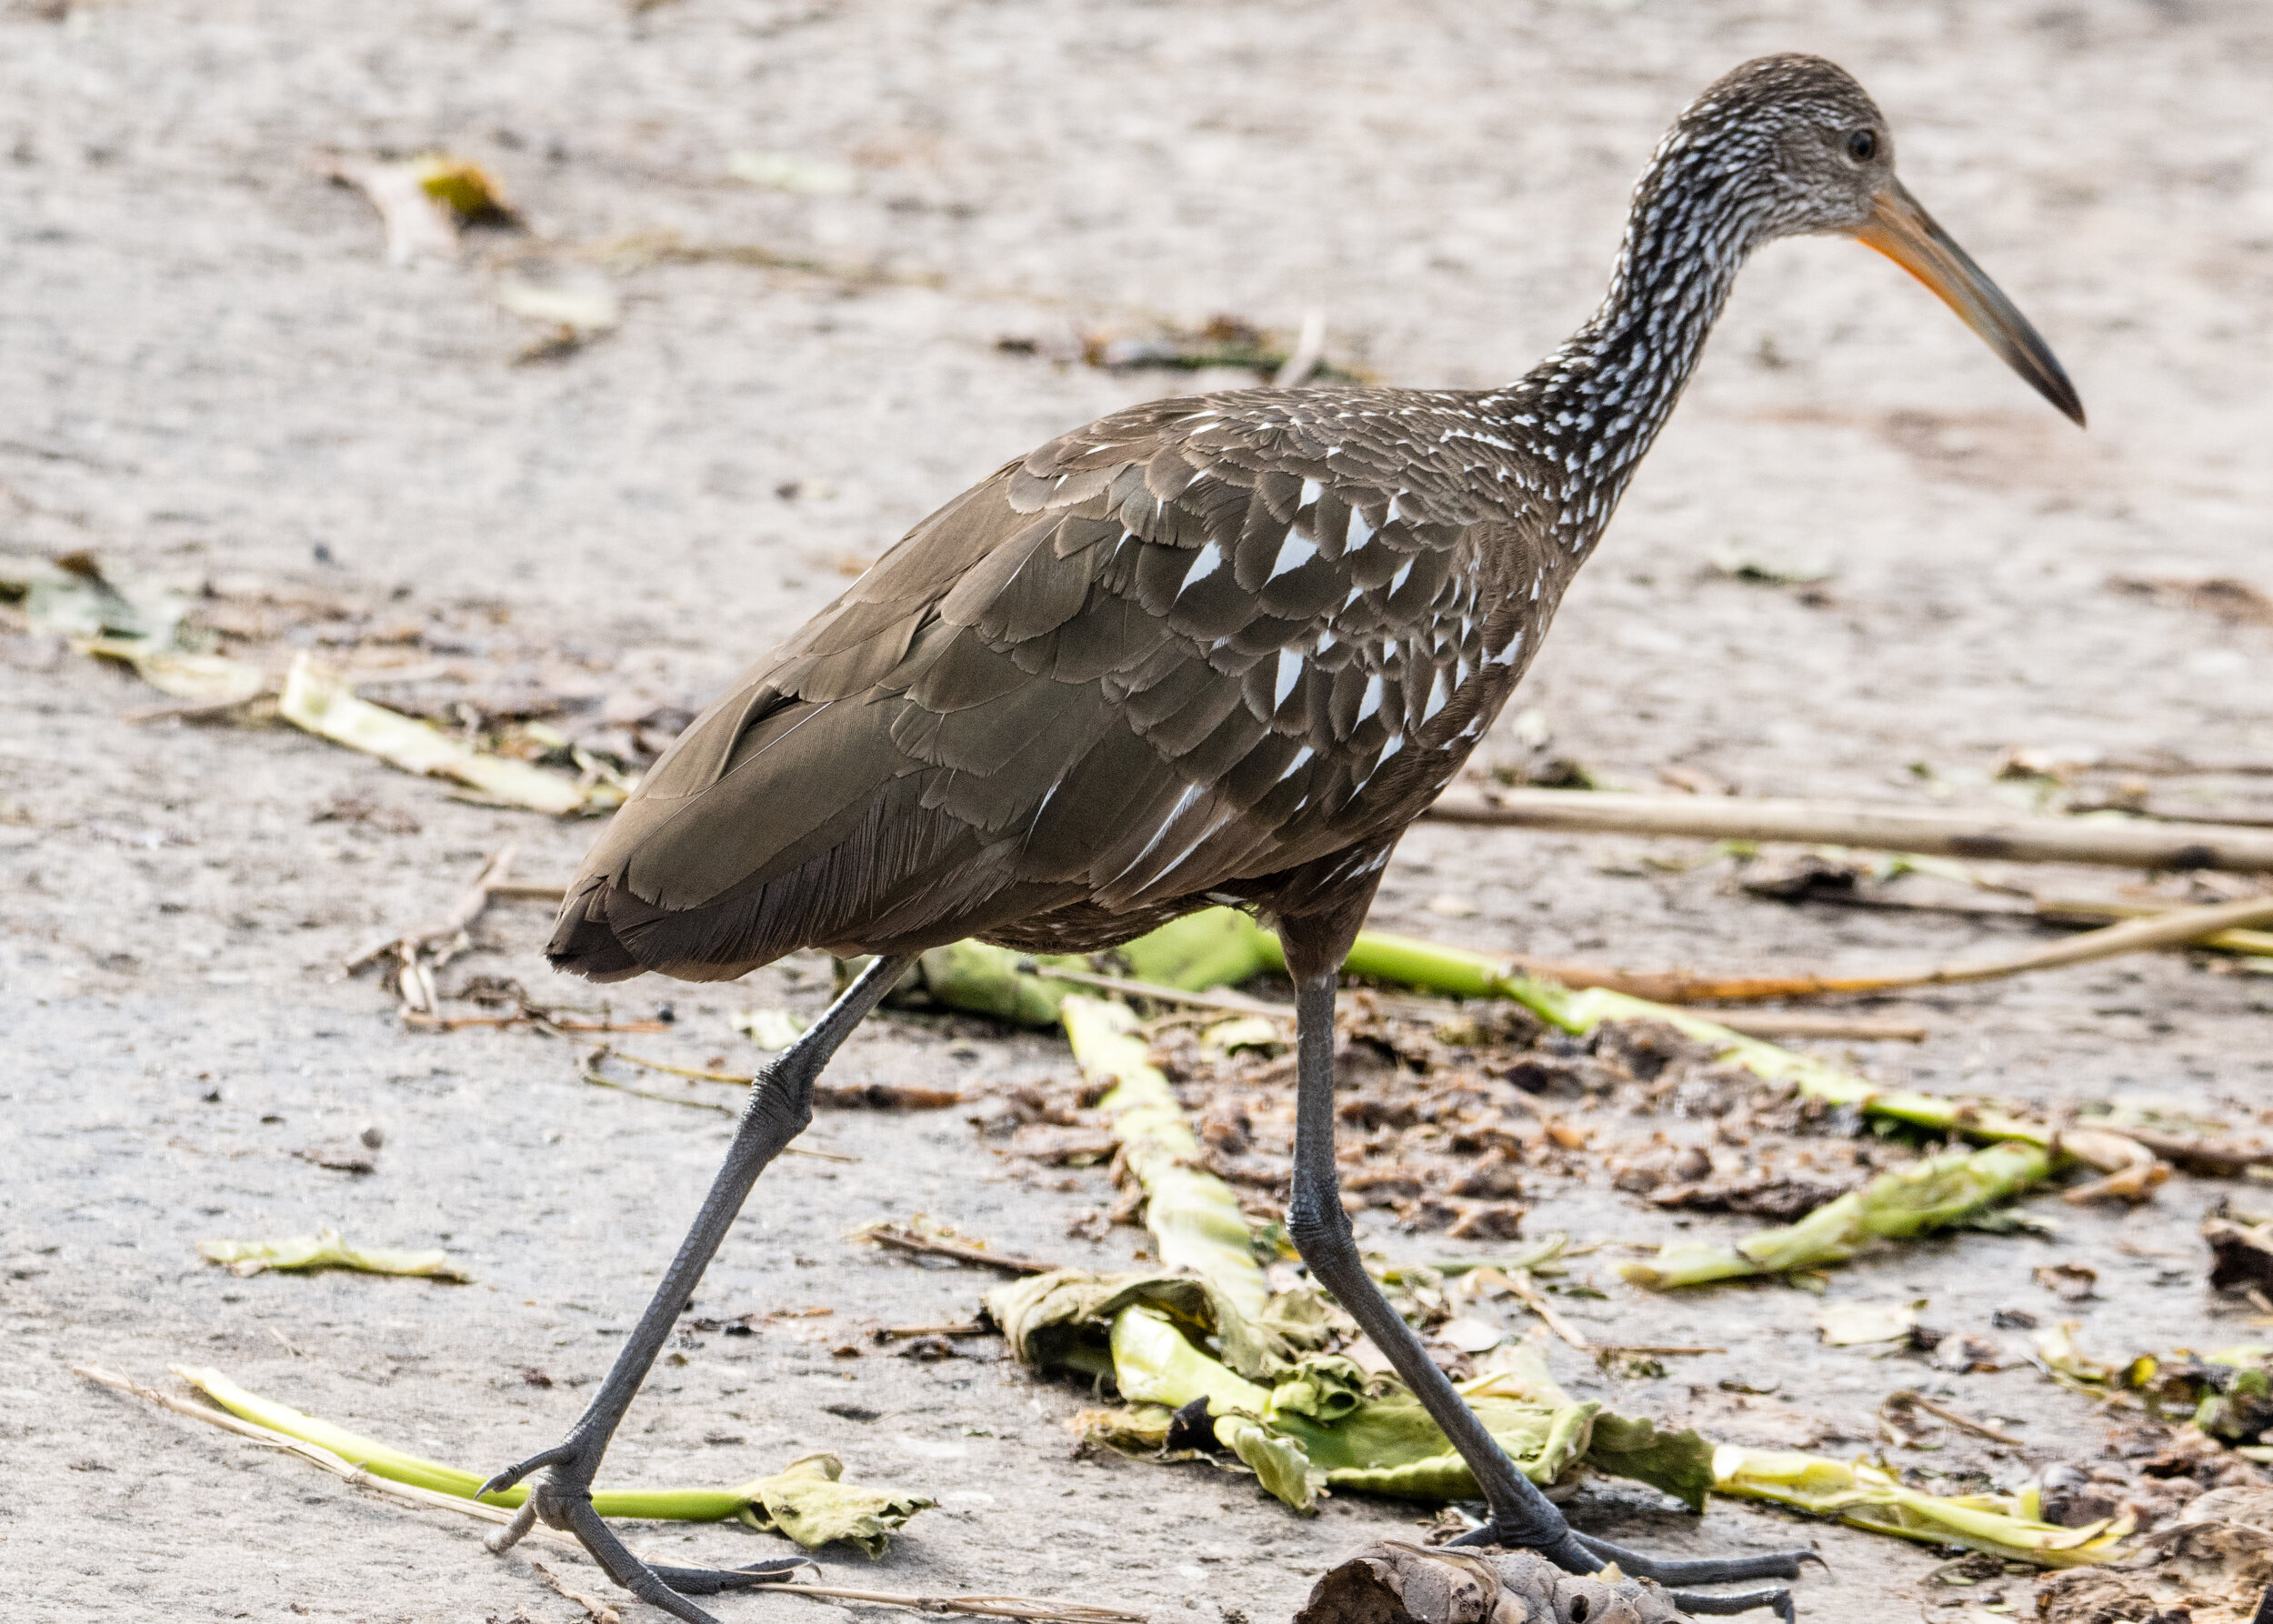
(323, 704)
(788, 172)
(1847, 1325)
(588, 308)
(772, 1030)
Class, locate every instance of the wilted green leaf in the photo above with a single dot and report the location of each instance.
(807, 1501)
(1869, 1497)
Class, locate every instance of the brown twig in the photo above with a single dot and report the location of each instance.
(441, 938)
(895, 1333)
(592, 1076)
(2177, 927)
(1880, 829)
(598, 1611)
(909, 1241)
(1232, 1002)
(1912, 1397)
(1831, 1028)
(1600, 1349)
(2215, 1158)
(1532, 1297)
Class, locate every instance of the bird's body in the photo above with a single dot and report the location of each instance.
(1217, 649)
(1221, 649)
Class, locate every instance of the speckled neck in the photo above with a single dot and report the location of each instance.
(1595, 406)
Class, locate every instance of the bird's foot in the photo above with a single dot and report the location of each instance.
(1582, 1553)
(562, 1499)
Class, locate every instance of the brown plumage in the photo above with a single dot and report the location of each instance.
(1225, 646)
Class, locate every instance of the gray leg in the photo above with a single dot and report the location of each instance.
(780, 1107)
(1521, 1516)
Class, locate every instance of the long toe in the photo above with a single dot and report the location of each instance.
(711, 1581)
(1699, 1570)
(1719, 1604)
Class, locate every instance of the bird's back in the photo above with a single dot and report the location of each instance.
(1194, 647)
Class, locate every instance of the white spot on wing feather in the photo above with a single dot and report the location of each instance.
(1289, 673)
(1294, 552)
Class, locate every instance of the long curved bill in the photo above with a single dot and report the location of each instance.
(1906, 234)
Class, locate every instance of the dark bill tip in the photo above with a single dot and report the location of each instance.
(1906, 234)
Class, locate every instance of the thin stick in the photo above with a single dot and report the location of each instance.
(191, 710)
(697, 1073)
(598, 1611)
(1830, 1028)
(1236, 1003)
(907, 1240)
(2177, 927)
(526, 890)
(1881, 828)
(597, 1081)
(890, 1333)
(1956, 1418)
(463, 913)
(1533, 1298)
(984, 1607)
(991, 1606)
(1665, 1347)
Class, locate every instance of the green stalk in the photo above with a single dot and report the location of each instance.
(1192, 1215)
(383, 1460)
(1931, 1195)
(803, 1500)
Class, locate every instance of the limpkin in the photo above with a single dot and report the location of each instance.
(1216, 650)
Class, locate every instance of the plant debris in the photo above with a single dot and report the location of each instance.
(2121, 843)
(924, 1236)
(805, 1501)
(422, 202)
(1936, 1193)
(327, 1249)
(1396, 1583)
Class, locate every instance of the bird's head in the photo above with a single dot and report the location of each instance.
(1791, 146)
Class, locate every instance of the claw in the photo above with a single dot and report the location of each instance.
(558, 1455)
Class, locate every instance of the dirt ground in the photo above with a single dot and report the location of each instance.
(208, 370)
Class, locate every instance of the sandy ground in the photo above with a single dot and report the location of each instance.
(207, 369)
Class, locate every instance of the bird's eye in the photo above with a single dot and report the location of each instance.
(1862, 145)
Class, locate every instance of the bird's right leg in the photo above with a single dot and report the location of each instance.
(1521, 1516)
(780, 1107)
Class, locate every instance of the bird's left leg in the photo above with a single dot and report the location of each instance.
(1521, 1516)
(779, 1109)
